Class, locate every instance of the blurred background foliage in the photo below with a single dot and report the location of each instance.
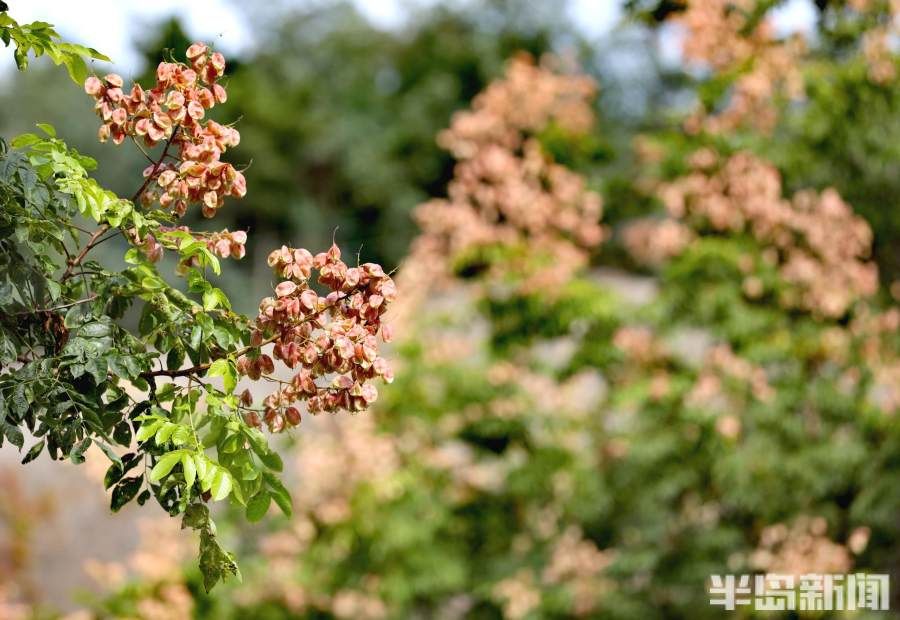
(639, 424)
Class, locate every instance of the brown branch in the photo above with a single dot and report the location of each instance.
(87, 248)
(193, 370)
(95, 237)
(156, 166)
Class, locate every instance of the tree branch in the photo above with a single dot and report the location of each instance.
(87, 248)
(87, 299)
(193, 370)
(95, 237)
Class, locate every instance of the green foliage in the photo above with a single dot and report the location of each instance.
(639, 465)
(496, 454)
(73, 376)
(846, 135)
(75, 373)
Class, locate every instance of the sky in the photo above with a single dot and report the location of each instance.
(113, 26)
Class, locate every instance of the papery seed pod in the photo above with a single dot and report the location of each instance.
(387, 332)
(252, 419)
(285, 288)
(274, 421)
(166, 177)
(219, 94)
(174, 100)
(292, 415)
(254, 371)
(196, 50)
(93, 86)
(243, 365)
(369, 393)
(114, 80)
(314, 405)
(205, 98)
(342, 382)
(217, 61)
(266, 364)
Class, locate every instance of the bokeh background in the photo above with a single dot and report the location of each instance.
(581, 426)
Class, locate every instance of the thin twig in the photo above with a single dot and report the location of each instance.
(95, 237)
(193, 370)
(87, 248)
(156, 166)
(142, 150)
(90, 297)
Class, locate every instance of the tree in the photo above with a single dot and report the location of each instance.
(566, 442)
(160, 400)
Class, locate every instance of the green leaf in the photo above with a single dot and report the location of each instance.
(164, 433)
(258, 506)
(272, 460)
(117, 470)
(221, 484)
(165, 464)
(14, 435)
(196, 516)
(24, 140)
(77, 68)
(280, 494)
(147, 430)
(21, 58)
(210, 300)
(201, 462)
(269, 457)
(182, 436)
(77, 453)
(33, 452)
(125, 491)
(113, 474)
(47, 128)
(216, 564)
(189, 468)
(166, 392)
(108, 451)
(225, 369)
(122, 433)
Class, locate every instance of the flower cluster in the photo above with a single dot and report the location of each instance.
(638, 344)
(507, 192)
(652, 241)
(333, 335)
(720, 36)
(880, 58)
(723, 377)
(881, 26)
(805, 548)
(174, 111)
(525, 101)
(224, 244)
(820, 246)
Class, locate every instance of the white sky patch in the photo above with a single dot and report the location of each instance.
(595, 18)
(795, 16)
